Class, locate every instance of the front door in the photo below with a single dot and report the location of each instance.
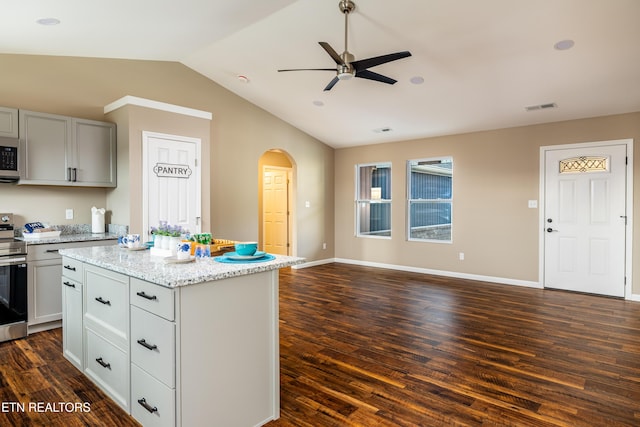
(585, 219)
(171, 181)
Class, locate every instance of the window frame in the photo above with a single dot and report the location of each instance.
(358, 202)
(411, 201)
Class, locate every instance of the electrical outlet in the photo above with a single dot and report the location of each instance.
(324, 246)
(461, 256)
(69, 214)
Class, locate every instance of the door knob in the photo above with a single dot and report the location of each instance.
(550, 230)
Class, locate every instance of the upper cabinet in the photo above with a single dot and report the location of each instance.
(61, 150)
(9, 122)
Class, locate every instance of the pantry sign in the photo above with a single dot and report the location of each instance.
(168, 170)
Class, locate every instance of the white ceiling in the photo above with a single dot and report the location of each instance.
(483, 61)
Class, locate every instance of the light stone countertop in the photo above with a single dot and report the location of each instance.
(142, 265)
(71, 238)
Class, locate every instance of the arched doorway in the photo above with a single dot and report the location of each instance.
(275, 196)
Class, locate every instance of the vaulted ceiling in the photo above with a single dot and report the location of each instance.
(475, 64)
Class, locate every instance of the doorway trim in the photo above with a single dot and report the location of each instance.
(628, 200)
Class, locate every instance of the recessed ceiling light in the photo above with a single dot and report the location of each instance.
(48, 21)
(416, 80)
(564, 45)
(318, 103)
(243, 79)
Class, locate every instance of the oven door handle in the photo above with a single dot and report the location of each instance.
(11, 261)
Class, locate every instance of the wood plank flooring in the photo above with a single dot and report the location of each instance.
(52, 392)
(370, 347)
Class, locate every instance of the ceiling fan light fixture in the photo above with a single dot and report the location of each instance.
(345, 76)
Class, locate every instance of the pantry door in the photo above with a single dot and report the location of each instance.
(585, 218)
(171, 181)
(276, 183)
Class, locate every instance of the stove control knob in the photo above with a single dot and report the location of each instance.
(5, 218)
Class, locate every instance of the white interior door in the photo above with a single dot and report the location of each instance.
(275, 210)
(171, 181)
(585, 217)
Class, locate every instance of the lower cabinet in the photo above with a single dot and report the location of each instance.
(108, 366)
(203, 354)
(72, 330)
(154, 404)
(43, 282)
(106, 332)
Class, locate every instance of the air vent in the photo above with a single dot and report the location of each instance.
(541, 107)
(383, 130)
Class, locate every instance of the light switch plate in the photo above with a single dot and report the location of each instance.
(533, 204)
(69, 214)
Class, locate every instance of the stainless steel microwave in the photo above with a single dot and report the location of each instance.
(9, 164)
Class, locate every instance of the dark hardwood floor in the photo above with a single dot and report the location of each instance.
(371, 347)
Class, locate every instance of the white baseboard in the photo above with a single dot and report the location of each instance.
(313, 263)
(501, 280)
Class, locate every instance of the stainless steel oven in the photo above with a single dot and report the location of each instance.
(13, 282)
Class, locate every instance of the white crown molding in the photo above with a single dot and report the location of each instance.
(156, 105)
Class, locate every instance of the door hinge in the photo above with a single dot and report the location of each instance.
(625, 280)
(195, 162)
(626, 160)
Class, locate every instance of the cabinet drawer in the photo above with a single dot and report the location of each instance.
(153, 345)
(108, 367)
(153, 298)
(107, 302)
(72, 269)
(41, 252)
(152, 402)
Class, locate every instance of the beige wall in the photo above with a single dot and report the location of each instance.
(126, 200)
(495, 174)
(239, 133)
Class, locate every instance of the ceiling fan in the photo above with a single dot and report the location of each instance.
(346, 67)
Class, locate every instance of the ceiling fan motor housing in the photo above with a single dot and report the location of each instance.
(346, 6)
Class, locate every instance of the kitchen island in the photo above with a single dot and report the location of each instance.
(176, 344)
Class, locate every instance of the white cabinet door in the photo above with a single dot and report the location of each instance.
(61, 150)
(44, 299)
(95, 153)
(9, 122)
(72, 322)
(45, 140)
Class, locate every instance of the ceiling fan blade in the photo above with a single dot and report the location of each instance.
(370, 75)
(332, 83)
(363, 64)
(332, 53)
(309, 69)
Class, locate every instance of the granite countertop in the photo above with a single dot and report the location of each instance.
(144, 266)
(71, 233)
(70, 238)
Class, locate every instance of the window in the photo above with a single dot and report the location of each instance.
(429, 188)
(373, 200)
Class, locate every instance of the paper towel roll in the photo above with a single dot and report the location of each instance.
(97, 220)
